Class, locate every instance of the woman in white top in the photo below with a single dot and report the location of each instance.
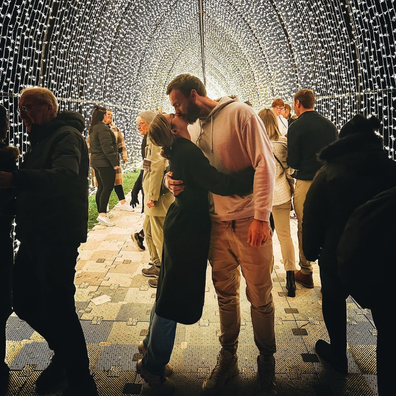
(283, 193)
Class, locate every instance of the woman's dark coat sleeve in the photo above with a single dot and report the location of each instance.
(210, 178)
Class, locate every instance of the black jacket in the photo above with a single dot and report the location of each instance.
(356, 169)
(306, 137)
(52, 183)
(103, 147)
(8, 157)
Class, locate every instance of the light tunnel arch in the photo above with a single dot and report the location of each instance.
(123, 53)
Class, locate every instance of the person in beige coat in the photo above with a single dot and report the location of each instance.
(156, 204)
(282, 201)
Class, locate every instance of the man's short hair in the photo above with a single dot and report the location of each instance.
(306, 97)
(278, 103)
(43, 95)
(186, 83)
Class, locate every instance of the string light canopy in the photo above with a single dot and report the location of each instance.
(123, 53)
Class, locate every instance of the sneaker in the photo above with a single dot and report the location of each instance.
(151, 272)
(86, 389)
(52, 378)
(125, 207)
(142, 348)
(105, 221)
(161, 386)
(305, 280)
(338, 363)
(138, 241)
(266, 375)
(153, 282)
(225, 369)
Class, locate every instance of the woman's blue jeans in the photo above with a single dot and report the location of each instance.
(159, 341)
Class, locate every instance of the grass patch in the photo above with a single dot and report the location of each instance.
(128, 183)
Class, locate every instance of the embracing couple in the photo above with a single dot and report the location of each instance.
(231, 157)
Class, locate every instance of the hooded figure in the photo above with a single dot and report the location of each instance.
(356, 168)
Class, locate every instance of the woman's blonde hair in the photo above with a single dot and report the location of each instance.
(271, 123)
(161, 135)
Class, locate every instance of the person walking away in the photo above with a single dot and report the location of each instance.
(356, 168)
(309, 134)
(366, 242)
(283, 194)
(52, 221)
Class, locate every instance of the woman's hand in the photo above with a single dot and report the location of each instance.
(150, 204)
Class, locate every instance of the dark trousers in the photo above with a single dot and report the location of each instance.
(43, 296)
(6, 261)
(334, 306)
(120, 192)
(106, 178)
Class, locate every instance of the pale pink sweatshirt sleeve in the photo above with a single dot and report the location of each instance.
(258, 148)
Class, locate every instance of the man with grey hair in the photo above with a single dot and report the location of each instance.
(52, 214)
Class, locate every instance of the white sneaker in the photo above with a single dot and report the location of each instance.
(126, 207)
(105, 221)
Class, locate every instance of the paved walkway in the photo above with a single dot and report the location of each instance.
(109, 268)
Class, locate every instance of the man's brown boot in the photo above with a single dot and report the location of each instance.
(225, 369)
(305, 280)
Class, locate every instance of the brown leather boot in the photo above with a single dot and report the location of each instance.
(225, 369)
(305, 280)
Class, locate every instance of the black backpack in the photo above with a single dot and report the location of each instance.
(365, 248)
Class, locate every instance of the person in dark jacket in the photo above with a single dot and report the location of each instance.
(8, 157)
(186, 244)
(51, 218)
(306, 136)
(356, 168)
(104, 160)
(366, 243)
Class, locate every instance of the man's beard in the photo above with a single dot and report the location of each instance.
(193, 112)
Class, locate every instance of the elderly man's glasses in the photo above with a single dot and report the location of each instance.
(25, 109)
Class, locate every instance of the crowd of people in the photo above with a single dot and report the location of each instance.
(217, 180)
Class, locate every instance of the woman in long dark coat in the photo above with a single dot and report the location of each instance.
(181, 286)
(356, 168)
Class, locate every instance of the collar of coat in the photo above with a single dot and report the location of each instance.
(353, 145)
(70, 118)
